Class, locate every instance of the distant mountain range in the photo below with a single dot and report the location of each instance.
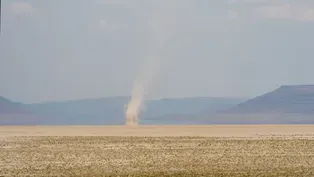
(111, 110)
(285, 105)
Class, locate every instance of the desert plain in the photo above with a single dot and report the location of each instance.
(208, 150)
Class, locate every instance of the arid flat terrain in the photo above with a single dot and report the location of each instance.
(157, 131)
(221, 150)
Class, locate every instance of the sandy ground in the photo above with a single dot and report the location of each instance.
(157, 131)
(216, 150)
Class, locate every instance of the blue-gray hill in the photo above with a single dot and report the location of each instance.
(292, 104)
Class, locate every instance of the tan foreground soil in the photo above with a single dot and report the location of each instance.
(271, 150)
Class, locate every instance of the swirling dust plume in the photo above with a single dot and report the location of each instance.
(161, 27)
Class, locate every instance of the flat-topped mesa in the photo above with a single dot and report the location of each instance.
(287, 99)
(295, 86)
(298, 88)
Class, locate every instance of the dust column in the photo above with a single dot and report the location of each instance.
(161, 27)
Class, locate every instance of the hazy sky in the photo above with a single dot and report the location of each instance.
(72, 49)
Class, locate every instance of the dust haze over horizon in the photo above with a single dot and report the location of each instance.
(64, 50)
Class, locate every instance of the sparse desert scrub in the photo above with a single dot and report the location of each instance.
(155, 156)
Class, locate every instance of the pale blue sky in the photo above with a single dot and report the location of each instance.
(72, 49)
